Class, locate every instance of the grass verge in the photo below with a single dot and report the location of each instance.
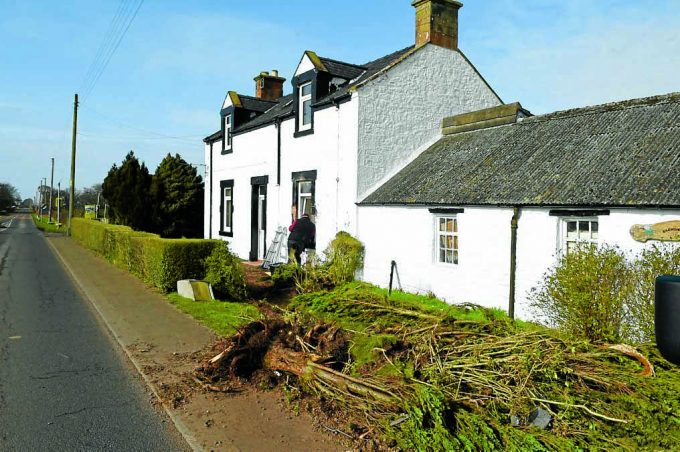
(46, 226)
(223, 317)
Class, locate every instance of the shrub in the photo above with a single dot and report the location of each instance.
(585, 294)
(652, 262)
(284, 275)
(223, 271)
(345, 256)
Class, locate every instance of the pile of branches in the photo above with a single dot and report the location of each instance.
(462, 384)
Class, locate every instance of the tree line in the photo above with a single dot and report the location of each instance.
(168, 202)
(9, 197)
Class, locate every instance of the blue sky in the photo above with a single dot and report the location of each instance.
(163, 88)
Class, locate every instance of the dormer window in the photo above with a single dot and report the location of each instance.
(305, 106)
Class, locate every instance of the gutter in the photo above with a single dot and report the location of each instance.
(514, 223)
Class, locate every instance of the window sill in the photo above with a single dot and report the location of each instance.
(226, 234)
(227, 151)
(302, 133)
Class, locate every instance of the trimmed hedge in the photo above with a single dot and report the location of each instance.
(156, 261)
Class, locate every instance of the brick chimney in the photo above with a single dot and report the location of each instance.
(437, 22)
(269, 86)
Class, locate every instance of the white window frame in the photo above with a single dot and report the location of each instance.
(301, 106)
(228, 203)
(227, 133)
(454, 250)
(592, 236)
(302, 196)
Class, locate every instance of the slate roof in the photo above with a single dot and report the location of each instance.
(342, 69)
(256, 104)
(618, 154)
(358, 74)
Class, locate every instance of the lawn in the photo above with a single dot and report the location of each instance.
(223, 317)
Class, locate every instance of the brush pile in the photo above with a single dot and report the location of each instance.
(435, 377)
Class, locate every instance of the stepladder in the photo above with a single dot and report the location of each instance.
(277, 251)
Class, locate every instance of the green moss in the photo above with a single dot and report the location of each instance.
(222, 317)
(365, 348)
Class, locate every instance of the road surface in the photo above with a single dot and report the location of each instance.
(64, 384)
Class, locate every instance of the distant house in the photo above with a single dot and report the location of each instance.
(450, 217)
(344, 130)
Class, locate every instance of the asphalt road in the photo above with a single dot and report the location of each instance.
(64, 384)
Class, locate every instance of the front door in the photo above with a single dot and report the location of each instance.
(258, 225)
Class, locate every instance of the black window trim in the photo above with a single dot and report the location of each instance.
(298, 81)
(229, 111)
(224, 184)
(299, 176)
(578, 212)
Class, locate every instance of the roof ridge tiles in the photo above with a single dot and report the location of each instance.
(609, 106)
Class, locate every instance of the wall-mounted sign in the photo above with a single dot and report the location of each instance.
(666, 231)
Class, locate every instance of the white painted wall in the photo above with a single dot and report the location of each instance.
(401, 110)
(407, 235)
(331, 150)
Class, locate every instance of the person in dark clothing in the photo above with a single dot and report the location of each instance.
(302, 235)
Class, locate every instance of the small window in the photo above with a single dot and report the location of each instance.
(577, 231)
(305, 198)
(227, 208)
(446, 232)
(305, 107)
(227, 133)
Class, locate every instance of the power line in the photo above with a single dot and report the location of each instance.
(108, 38)
(187, 138)
(131, 127)
(110, 44)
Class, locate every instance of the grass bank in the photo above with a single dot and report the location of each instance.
(223, 317)
(44, 225)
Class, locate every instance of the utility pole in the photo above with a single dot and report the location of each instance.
(39, 197)
(51, 190)
(59, 198)
(73, 164)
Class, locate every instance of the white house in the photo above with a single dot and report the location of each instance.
(483, 213)
(344, 130)
(476, 210)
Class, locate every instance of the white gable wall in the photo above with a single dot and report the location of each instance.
(407, 236)
(401, 110)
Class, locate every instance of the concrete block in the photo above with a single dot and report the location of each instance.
(195, 290)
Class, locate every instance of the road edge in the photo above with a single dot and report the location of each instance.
(181, 427)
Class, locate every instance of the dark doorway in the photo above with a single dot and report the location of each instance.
(258, 222)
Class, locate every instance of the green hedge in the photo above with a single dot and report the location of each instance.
(156, 261)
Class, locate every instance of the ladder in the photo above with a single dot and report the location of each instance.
(273, 255)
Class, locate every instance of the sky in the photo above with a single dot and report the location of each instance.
(164, 85)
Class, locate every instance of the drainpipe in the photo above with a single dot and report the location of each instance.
(210, 219)
(277, 124)
(516, 212)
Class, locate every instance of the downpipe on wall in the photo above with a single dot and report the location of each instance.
(514, 223)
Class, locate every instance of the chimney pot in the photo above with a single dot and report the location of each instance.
(437, 22)
(275, 73)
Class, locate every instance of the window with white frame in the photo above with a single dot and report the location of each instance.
(446, 231)
(577, 232)
(305, 198)
(227, 208)
(227, 133)
(305, 106)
